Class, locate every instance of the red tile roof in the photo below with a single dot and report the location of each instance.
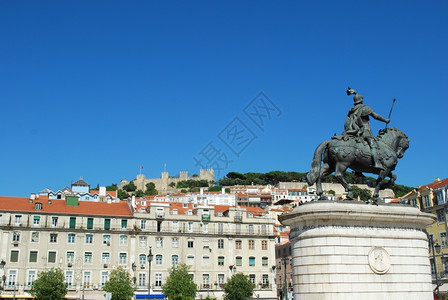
(19, 204)
(434, 185)
(111, 193)
(221, 208)
(253, 209)
(181, 210)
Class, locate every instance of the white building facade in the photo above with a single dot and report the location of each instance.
(87, 240)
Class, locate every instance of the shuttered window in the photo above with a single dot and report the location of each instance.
(89, 223)
(106, 224)
(72, 222)
(251, 261)
(14, 256)
(33, 256)
(51, 257)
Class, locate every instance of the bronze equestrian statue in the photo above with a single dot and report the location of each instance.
(356, 148)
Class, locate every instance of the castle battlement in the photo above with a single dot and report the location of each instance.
(165, 182)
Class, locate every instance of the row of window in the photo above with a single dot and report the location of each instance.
(69, 278)
(141, 279)
(123, 258)
(72, 222)
(175, 225)
(70, 257)
(143, 241)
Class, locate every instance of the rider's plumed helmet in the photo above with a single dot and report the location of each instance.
(358, 98)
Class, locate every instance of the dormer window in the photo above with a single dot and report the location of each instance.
(38, 206)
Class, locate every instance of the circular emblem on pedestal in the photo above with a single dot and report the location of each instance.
(379, 260)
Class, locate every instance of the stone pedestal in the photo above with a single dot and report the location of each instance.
(351, 250)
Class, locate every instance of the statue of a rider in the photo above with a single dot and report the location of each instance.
(357, 125)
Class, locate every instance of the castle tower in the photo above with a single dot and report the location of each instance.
(183, 175)
(164, 181)
(207, 174)
(140, 182)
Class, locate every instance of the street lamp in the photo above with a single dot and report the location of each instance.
(285, 280)
(80, 264)
(134, 268)
(437, 248)
(150, 256)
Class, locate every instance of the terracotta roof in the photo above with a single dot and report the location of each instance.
(253, 209)
(260, 195)
(19, 204)
(111, 193)
(433, 185)
(181, 210)
(221, 208)
(277, 209)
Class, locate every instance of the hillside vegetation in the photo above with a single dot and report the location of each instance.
(274, 177)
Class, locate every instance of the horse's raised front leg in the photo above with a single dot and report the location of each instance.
(339, 175)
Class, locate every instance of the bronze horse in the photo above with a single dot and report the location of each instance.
(343, 152)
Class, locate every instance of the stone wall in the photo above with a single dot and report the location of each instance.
(163, 183)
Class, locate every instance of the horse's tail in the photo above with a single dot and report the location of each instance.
(314, 172)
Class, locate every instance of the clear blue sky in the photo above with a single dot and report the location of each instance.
(99, 88)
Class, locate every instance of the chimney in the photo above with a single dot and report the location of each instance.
(202, 190)
(223, 191)
(32, 198)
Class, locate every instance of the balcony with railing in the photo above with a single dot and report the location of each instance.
(238, 219)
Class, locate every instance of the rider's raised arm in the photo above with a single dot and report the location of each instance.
(379, 117)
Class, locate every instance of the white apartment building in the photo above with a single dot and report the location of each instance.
(89, 239)
(201, 198)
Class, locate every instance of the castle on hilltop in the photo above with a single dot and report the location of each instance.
(168, 183)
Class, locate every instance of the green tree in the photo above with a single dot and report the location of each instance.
(238, 287)
(363, 194)
(112, 187)
(235, 175)
(172, 184)
(151, 189)
(401, 190)
(120, 285)
(139, 193)
(179, 284)
(122, 194)
(130, 187)
(49, 285)
(218, 189)
(192, 184)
